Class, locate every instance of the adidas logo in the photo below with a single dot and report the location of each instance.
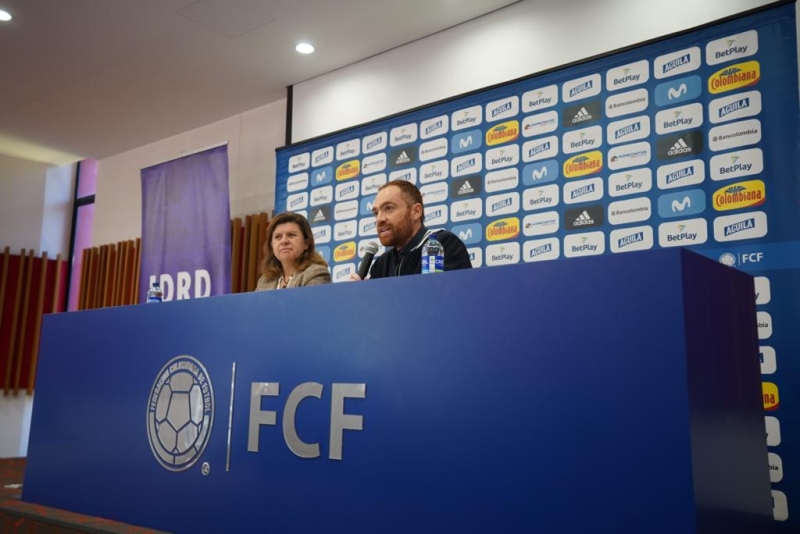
(680, 147)
(583, 219)
(402, 158)
(319, 216)
(466, 189)
(581, 115)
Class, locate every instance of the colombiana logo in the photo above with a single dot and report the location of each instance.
(734, 77)
(180, 413)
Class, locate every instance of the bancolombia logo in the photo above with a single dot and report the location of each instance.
(740, 195)
(735, 77)
(180, 413)
(680, 145)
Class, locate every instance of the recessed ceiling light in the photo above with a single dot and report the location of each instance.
(304, 48)
(4, 15)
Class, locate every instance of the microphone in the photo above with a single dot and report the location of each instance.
(370, 249)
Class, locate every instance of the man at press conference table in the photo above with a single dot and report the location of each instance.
(399, 213)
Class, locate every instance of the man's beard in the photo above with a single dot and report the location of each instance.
(401, 234)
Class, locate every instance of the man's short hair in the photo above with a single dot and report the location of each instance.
(409, 191)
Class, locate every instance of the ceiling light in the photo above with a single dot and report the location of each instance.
(304, 48)
(4, 15)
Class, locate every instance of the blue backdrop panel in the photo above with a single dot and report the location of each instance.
(598, 419)
(690, 141)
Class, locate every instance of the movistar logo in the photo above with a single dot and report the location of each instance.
(538, 174)
(677, 93)
(686, 202)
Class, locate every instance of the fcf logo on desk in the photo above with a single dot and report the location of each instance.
(180, 413)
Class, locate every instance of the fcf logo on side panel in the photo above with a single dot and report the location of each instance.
(180, 413)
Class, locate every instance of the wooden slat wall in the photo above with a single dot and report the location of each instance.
(247, 240)
(236, 256)
(37, 326)
(15, 316)
(29, 288)
(109, 277)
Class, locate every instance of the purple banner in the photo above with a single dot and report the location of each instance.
(186, 238)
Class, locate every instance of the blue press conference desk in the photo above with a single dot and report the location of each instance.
(619, 393)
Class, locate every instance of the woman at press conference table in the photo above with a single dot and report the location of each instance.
(289, 256)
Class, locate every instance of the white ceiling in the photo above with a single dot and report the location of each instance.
(93, 78)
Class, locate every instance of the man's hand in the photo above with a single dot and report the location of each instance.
(355, 278)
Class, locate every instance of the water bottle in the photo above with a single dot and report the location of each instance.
(154, 293)
(432, 256)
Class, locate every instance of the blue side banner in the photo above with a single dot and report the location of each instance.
(688, 142)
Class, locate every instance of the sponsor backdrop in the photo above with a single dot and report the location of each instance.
(686, 142)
